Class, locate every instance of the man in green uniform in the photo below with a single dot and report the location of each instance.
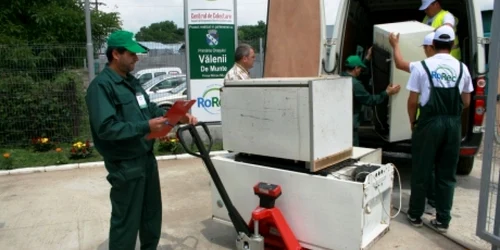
(121, 116)
(400, 63)
(444, 85)
(354, 66)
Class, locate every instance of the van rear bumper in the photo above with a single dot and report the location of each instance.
(368, 138)
(470, 146)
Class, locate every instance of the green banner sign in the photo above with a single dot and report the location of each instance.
(210, 44)
(211, 50)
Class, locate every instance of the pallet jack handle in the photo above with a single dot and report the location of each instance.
(204, 153)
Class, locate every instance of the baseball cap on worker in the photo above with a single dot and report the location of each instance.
(428, 39)
(425, 4)
(354, 61)
(125, 39)
(444, 33)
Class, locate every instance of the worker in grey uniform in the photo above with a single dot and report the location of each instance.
(444, 85)
(401, 64)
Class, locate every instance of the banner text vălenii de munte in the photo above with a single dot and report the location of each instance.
(210, 43)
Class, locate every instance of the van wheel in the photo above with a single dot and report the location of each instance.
(465, 165)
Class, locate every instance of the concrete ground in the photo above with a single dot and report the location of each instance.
(70, 210)
(465, 206)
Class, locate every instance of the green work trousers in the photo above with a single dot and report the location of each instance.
(431, 189)
(435, 148)
(136, 203)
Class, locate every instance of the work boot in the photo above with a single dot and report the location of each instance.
(430, 209)
(415, 222)
(438, 226)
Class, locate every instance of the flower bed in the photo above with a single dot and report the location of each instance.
(45, 152)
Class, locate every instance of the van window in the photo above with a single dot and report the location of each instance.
(487, 16)
(145, 77)
(170, 83)
(160, 73)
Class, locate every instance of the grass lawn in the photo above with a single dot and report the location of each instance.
(26, 157)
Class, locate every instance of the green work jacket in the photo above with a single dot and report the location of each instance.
(117, 122)
(362, 97)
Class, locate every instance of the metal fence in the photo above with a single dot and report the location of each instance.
(41, 93)
(42, 89)
(488, 224)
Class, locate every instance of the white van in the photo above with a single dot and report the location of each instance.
(147, 74)
(354, 28)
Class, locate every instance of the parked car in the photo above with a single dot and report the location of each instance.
(146, 75)
(167, 99)
(163, 84)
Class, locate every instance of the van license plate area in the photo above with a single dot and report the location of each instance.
(478, 129)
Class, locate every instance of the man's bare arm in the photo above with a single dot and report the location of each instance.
(398, 58)
(412, 107)
(466, 99)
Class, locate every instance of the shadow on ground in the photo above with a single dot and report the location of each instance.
(404, 168)
(217, 233)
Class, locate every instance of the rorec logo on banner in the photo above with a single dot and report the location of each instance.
(210, 99)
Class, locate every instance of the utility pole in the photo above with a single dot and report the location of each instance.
(96, 3)
(90, 47)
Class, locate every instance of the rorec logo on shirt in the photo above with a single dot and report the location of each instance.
(444, 73)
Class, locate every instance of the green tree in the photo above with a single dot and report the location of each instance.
(162, 32)
(252, 33)
(41, 42)
(42, 37)
(51, 22)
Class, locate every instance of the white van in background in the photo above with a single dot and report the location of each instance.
(147, 74)
(353, 29)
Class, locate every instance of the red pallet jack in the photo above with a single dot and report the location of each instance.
(267, 228)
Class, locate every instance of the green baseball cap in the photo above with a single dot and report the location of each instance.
(125, 39)
(355, 61)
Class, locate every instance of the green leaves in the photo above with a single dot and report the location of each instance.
(52, 108)
(251, 33)
(163, 32)
(52, 21)
(168, 32)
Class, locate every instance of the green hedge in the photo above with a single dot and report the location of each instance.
(41, 108)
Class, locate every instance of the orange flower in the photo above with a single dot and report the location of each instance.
(58, 150)
(6, 155)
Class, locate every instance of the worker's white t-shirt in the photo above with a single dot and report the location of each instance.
(448, 18)
(444, 69)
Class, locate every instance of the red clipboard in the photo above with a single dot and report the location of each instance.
(174, 115)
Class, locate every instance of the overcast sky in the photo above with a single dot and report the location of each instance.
(138, 13)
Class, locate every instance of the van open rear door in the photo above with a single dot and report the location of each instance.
(295, 38)
(332, 48)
